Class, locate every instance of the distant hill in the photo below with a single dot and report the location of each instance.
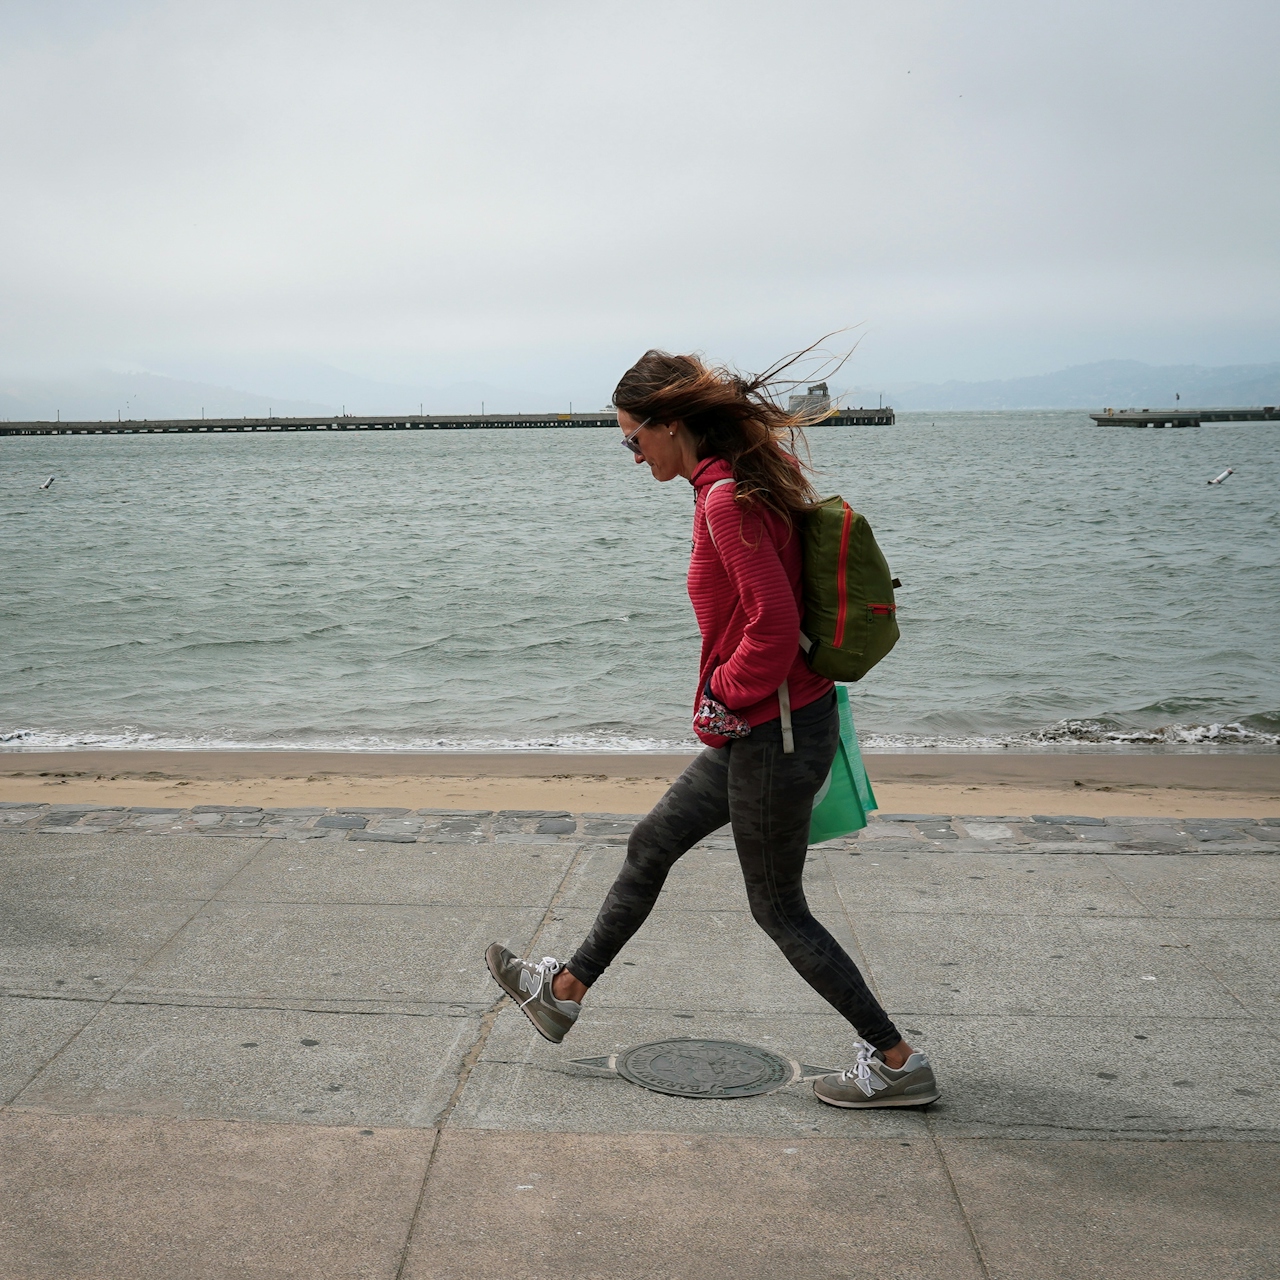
(101, 396)
(282, 388)
(1117, 384)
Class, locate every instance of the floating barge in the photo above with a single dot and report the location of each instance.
(383, 422)
(1182, 417)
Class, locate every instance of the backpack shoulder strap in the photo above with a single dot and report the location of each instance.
(710, 490)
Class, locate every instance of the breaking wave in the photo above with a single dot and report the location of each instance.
(131, 739)
(1063, 735)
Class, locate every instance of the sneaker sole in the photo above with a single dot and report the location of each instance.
(915, 1101)
(493, 973)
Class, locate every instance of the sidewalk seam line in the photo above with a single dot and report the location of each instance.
(237, 1003)
(417, 1207)
(66, 1044)
(1190, 947)
(469, 1060)
(865, 964)
(955, 1191)
(933, 1137)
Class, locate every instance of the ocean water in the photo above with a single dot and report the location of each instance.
(1065, 587)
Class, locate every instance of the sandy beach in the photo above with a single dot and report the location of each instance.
(1096, 785)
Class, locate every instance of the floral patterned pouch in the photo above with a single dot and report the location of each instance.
(715, 718)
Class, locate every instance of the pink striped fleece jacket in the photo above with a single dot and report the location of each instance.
(746, 592)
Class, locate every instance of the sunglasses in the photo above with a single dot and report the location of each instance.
(629, 442)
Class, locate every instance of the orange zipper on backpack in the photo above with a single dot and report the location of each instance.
(842, 609)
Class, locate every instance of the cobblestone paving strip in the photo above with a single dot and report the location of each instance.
(1040, 833)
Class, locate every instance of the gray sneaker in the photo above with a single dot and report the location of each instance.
(871, 1082)
(529, 985)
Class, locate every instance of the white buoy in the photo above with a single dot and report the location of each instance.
(47, 483)
(1230, 471)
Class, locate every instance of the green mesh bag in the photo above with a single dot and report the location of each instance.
(841, 806)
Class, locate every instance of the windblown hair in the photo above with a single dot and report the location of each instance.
(728, 415)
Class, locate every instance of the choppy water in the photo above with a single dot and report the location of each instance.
(1064, 584)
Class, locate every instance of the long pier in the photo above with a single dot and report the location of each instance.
(381, 422)
(1182, 417)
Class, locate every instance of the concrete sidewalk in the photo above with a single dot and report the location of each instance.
(237, 1043)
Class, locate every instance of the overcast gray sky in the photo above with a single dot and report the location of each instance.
(532, 193)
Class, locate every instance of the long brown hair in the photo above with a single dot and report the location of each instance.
(730, 415)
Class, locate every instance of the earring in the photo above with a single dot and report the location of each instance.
(671, 432)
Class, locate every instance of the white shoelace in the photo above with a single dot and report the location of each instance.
(860, 1072)
(546, 970)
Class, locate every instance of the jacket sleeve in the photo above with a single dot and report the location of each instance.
(770, 639)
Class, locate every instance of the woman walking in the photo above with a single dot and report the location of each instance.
(725, 435)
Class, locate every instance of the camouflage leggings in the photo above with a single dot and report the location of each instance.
(768, 797)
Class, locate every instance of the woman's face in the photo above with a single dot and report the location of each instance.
(660, 447)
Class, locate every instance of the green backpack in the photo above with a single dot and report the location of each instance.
(850, 620)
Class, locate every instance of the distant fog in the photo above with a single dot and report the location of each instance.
(1115, 383)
